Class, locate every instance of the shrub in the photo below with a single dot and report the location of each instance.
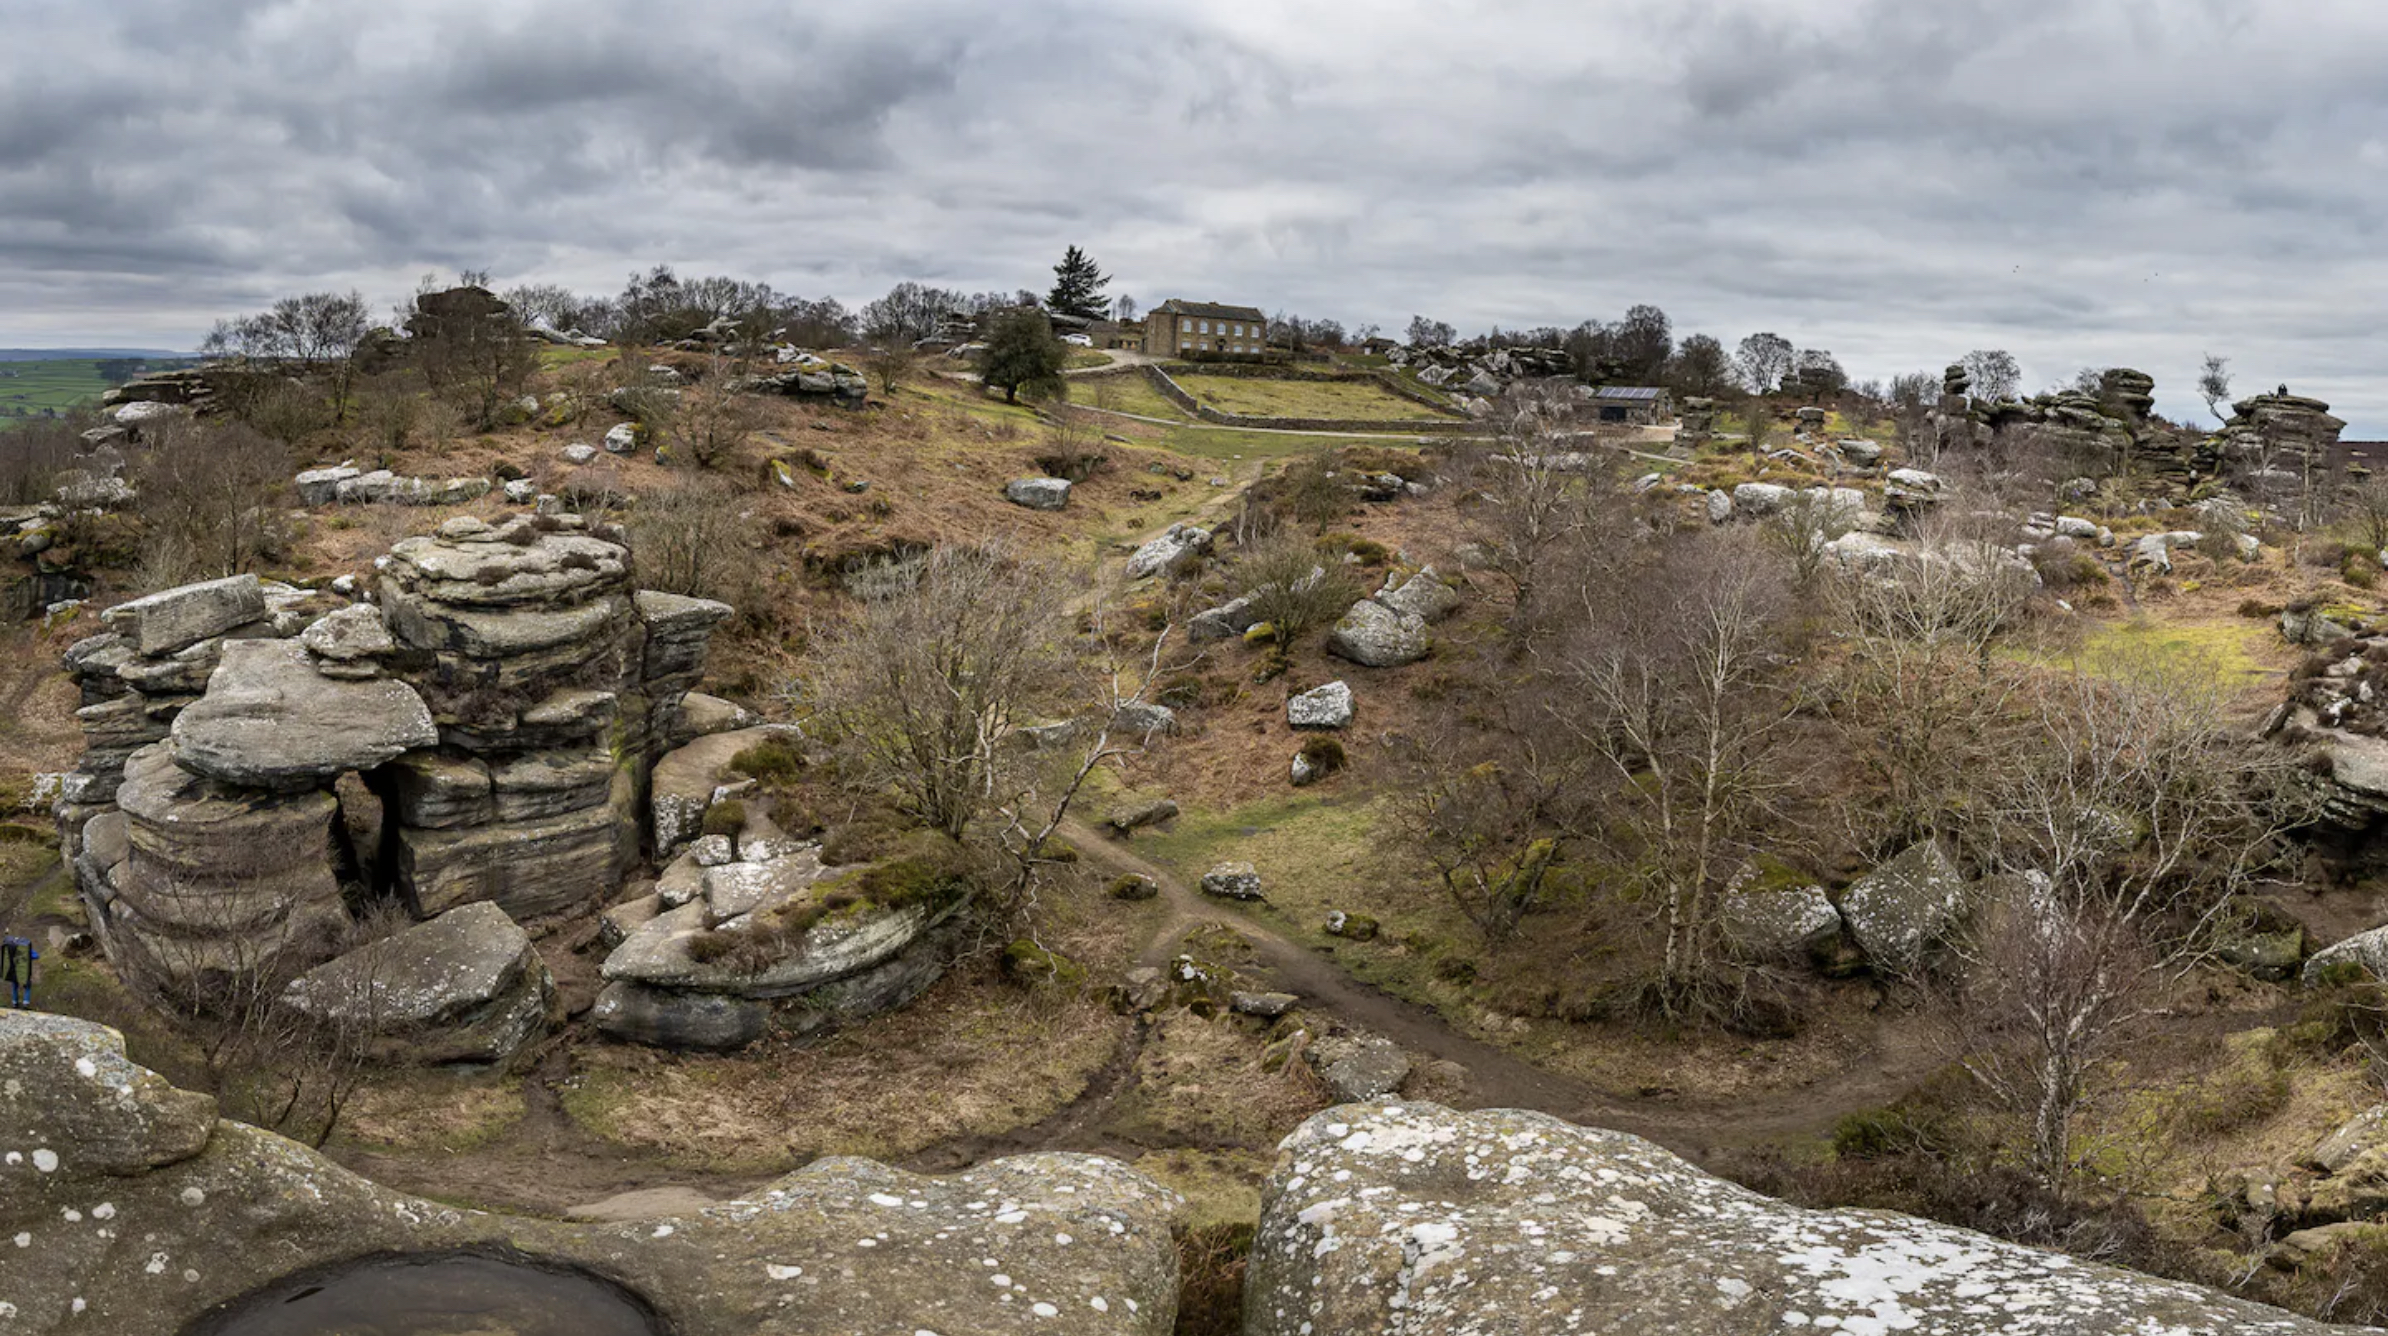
(769, 760)
(1368, 550)
(1211, 1279)
(725, 818)
(1291, 589)
(1324, 754)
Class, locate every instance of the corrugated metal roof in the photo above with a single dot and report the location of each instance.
(1212, 310)
(1639, 394)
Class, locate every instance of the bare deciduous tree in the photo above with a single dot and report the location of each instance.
(1542, 497)
(2213, 385)
(2123, 831)
(209, 495)
(1488, 811)
(947, 655)
(1673, 682)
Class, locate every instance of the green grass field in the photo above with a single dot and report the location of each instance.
(1124, 394)
(26, 388)
(1362, 400)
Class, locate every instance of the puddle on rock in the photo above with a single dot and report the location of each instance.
(445, 1295)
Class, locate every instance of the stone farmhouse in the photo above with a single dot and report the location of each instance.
(1205, 329)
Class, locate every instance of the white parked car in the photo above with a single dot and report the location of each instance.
(1077, 340)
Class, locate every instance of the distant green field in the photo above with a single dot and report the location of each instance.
(26, 388)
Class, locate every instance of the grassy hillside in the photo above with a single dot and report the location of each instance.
(27, 388)
(1356, 399)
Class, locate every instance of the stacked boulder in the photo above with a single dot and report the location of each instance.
(155, 657)
(546, 674)
(2285, 435)
(479, 734)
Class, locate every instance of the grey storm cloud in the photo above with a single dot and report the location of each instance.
(2084, 182)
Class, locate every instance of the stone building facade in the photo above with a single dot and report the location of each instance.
(1205, 329)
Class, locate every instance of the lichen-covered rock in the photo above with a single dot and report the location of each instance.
(1326, 707)
(465, 987)
(1423, 596)
(75, 1105)
(686, 780)
(1779, 922)
(1360, 1067)
(1175, 552)
(1900, 911)
(1421, 1220)
(1038, 493)
(1375, 636)
(1137, 814)
(1225, 622)
(1073, 1245)
(270, 720)
(2367, 951)
(1232, 881)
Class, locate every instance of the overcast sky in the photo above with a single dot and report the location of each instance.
(2080, 181)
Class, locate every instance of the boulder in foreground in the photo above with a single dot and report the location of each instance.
(1416, 1219)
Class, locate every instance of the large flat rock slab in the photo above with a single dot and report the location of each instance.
(176, 618)
(269, 720)
(1071, 1245)
(465, 987)
(1416, 1219)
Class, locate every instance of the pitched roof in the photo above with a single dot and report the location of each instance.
(1639, 394)
(1210, 310)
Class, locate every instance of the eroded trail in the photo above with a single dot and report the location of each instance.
(1496, 1077)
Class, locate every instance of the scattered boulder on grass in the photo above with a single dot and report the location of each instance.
(1319, 757)
(1267, 1006)
(1351, 927)
(1144, 719)
(1423, 596)
(1134, 886)
(1900, 911)
(622, 439)
(1225, 622)
(1038, 493)
(1134, 816)
(1412, 1217)
(1375, 636)
(1232, 881)
(1359, 1067)
(2365, 951)
(1329, 706)
(1179, 550)
(1779, 918)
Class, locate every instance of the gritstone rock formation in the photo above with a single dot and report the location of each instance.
(135, 1211)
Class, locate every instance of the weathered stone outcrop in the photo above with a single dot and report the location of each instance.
(138, 1211)
(218, 880)
(1417, 1219)
(501, 703)
(757, 936)
(269, 720)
